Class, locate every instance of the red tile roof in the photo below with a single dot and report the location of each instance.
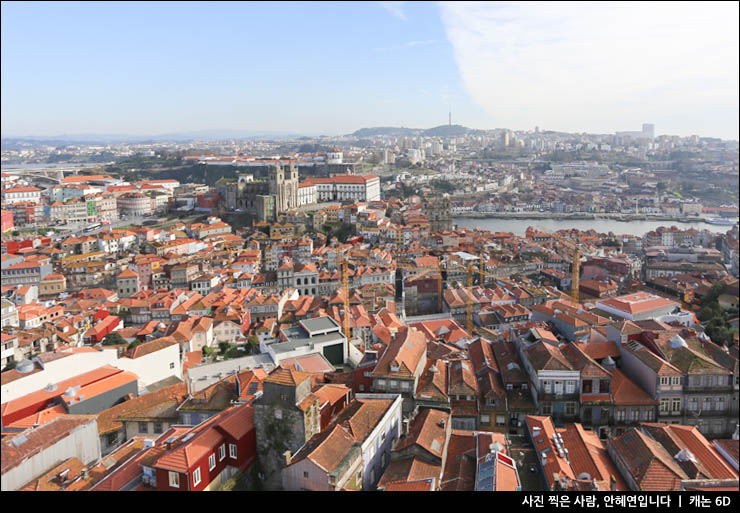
(39, 438)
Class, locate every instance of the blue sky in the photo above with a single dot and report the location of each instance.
(331, 68)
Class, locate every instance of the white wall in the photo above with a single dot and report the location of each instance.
(82, 443)
(154, 366)
(58, 370)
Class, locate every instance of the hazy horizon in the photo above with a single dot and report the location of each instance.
(333, 68)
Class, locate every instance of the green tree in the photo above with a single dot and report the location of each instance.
(254, 344)
(223, 348)
(113, 339)
(10, 366)
(134, 344)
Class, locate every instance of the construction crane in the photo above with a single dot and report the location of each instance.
(576, 263)
(344, 277)
(439, 286)
(470, 300)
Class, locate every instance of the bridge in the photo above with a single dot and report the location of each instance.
(52, 176)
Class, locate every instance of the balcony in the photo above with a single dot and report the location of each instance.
(574, 396)
(708, 389)
(708, 413)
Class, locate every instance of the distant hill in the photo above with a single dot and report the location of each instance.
(437, 131)
(9, 142)
(389, 131)
(449, 131)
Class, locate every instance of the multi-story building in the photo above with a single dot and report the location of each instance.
(555, 382)
(306, 194)
(135, 204)
(346, 188)
(27, 273)
(401, 365)
(21, 195)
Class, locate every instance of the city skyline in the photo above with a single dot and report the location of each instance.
(78, 68)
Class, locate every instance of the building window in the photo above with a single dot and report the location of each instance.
(305, 475)
(634, 415)
(676, 406)
(546, 409)
(174, 479)
(664, 403)
(586, 387)
(172, 365)
(620, 414)
(547, 385)
(211, 462)
(570, 387)
(648, 415)
(143, 427)
(381, 384)
(570, 408)
(222, 452)
(157, 427)
(500, 420)
(278, 413)
(676, 380)
(604, 386)
(232, 451)
(196, 477)
(665, 380)
(485, 419)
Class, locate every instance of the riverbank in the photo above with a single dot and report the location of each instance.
(580, 216)
(637, 227)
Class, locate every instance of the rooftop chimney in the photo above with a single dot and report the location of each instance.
(612, 483)
(288, 458)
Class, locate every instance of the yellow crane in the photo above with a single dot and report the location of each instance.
(576, 260)
(439, 286)
(470, 300)
(344, 277)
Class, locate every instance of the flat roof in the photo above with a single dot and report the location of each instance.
(319, 325)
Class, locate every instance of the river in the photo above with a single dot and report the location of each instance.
(638, 228)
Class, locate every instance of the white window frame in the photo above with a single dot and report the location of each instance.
(665, 380)
(174, 478)
(222, 452)
(485, 419)
(664, 409)
(673, 404)
(232, 451)
(196, 477)
(212, 461)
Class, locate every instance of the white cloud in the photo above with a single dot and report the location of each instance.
(600, 67)
(395, 9)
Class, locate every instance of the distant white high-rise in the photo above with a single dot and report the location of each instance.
(648, 130)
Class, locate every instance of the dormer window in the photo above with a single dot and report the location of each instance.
(395, 368)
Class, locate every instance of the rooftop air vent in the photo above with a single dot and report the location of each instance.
(70, 392)
(25, 366)
(685, 455)
(677, 342)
